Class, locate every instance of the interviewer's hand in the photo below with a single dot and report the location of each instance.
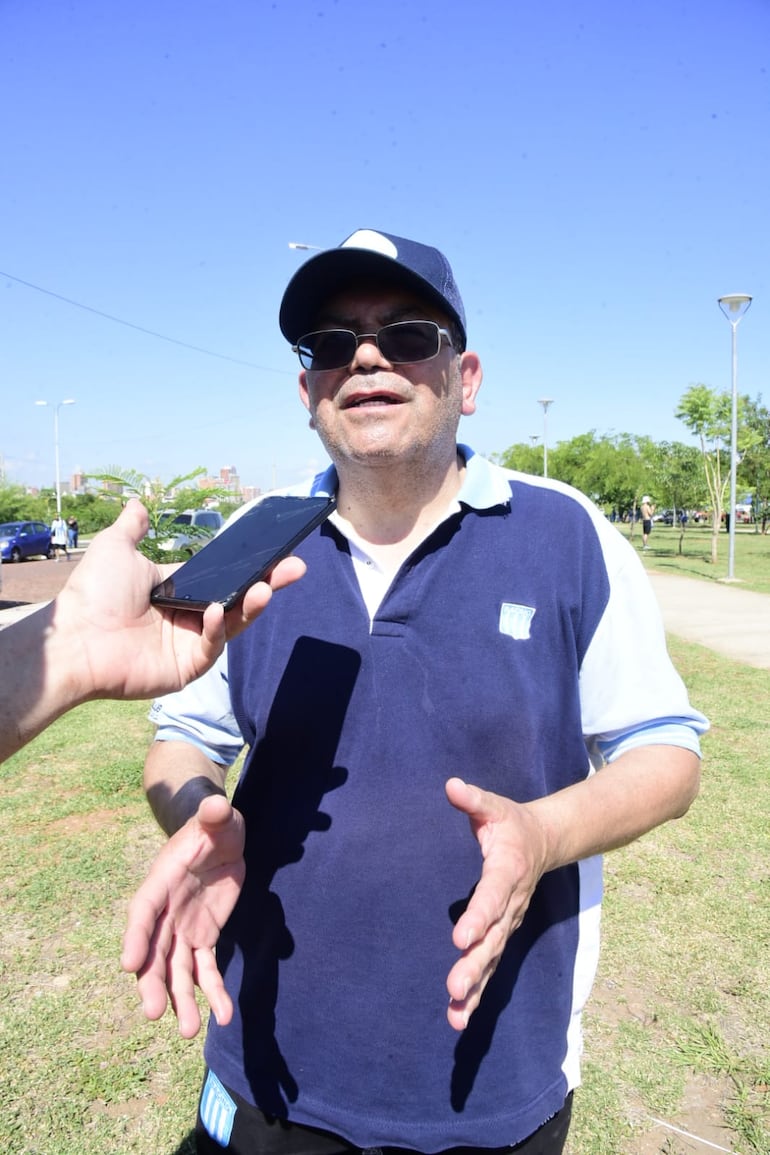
(175, 917)
(121, 646)
(513, 848)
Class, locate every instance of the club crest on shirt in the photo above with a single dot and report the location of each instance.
(515, 620)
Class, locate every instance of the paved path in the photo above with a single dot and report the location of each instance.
(733, 621)
(726, 618)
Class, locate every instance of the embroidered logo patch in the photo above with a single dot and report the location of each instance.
(217, 1110)
(515, 620)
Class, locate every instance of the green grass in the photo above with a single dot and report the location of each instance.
(752, 554)
(681, 1007)
(682, 998)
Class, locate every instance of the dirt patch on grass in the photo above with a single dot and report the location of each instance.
(700, 1118)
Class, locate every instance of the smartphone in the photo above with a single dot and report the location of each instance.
(242, 553)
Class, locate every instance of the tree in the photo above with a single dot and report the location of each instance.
(522, 457)
(678, 478)
(707, 414)
(612, 471)
(754, 469)
(157, 497)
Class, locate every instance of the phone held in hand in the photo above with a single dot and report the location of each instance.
(244, 552)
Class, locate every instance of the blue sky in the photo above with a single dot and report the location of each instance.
(597, 173)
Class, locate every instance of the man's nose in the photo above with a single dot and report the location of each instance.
(368, 355)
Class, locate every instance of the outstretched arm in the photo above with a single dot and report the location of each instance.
(101, 637)
(521, 842)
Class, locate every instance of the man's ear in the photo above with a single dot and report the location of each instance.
(304, 396)
(471, 375)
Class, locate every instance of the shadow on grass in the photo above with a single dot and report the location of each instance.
(188, 1146)
(678, 565)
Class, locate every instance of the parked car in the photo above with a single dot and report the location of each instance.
(23, 539)
(190, 530)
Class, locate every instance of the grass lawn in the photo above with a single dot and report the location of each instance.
(677, 1028)
(752, 553)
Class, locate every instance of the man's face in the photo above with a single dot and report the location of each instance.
(372, 410)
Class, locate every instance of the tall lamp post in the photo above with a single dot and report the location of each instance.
(56, 407)
(545, 402)
(733, 306)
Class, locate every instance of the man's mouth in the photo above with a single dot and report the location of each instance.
(369, 400)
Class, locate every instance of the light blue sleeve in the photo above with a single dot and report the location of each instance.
(201, 714)
(662, 732)
(631, 694)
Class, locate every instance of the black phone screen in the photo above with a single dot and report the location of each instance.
(243, 553)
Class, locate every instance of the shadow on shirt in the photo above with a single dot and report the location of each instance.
(289, 770)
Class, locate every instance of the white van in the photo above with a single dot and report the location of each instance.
(191, 529)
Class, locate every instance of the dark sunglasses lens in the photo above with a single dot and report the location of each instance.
(327, 350)
(408, 341)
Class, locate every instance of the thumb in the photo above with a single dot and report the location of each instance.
(214, 812)
(134, 520)
(462, 795)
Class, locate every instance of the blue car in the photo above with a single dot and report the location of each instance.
(21, 539)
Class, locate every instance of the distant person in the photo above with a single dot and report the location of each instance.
(101, 638)
(72, 532)
(59, 536)
(413, 846)
(648, 510)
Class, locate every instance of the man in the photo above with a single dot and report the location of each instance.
(647, 511)
(101, 638)
(440, 666)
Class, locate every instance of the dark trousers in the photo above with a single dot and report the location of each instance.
(254, 1133)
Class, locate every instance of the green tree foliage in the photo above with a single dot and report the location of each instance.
(14, 504)
(708, 414)
(754, 469)
(614, 471)
(679, 481)
(161, 499)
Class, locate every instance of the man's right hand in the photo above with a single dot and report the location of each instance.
(175, 917)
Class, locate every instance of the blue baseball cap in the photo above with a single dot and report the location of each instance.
(368, 255)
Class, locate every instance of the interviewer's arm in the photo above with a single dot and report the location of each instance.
(101, 637)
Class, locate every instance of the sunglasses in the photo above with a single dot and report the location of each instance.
(402, 343)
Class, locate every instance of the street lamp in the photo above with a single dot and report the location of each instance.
(56, 407)
(733, 306)
(545, 402)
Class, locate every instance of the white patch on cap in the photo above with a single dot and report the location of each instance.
(369, 239)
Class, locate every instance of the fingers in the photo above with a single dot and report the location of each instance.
(482, 933)
(286, 572)
(510, 847)
(144, 917)
(180, 983)
(212, 986)
(213, 632)
(256, 598)
(176, 915)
